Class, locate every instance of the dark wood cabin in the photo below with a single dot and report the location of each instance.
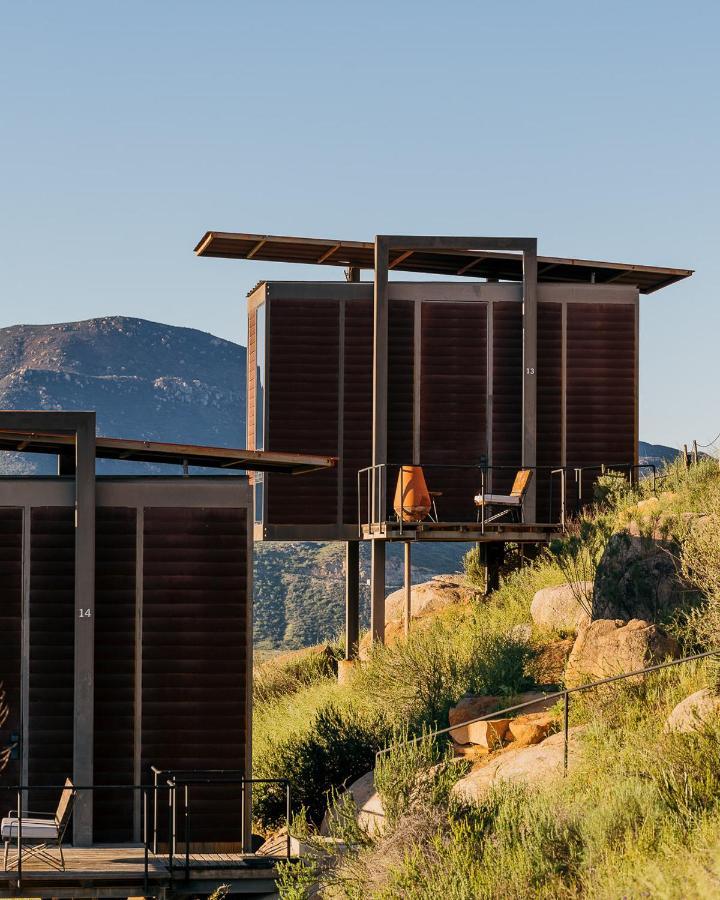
(172, 641)
(455, 362)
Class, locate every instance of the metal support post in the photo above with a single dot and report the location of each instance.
(529, 392)
(408, 586)
(352, 599)
(377, 591)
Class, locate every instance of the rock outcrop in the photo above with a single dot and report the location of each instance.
(637, 578)
(370, 812)
(565, 607)
(429, 596)
(694, 711)
(612, 646)
(528, 765)
(426, 599)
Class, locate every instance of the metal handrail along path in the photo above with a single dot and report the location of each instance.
(555, 695)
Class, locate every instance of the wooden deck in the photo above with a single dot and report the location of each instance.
(463, 531)
(119, 871)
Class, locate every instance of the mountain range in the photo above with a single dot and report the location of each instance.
(161, 382)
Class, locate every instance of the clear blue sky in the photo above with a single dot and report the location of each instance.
(129, 128)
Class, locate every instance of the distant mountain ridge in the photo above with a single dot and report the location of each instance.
(146, 380)
(655, 454)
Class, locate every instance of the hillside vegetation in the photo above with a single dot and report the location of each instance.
(638, 815)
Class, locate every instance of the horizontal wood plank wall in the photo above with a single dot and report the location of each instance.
(401, 374)
(549, 409)
(357, 401)
(601, 389)
(115, 544)
(507, 394)
(251, 379)
(11, 527)
(303, 407)
(453, 397)
(194, 653)
(52, 629)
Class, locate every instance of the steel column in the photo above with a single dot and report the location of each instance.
(84, 691)
(529, 393)
(352, 598)
(377, 590)
(82, 425)
(408, 587)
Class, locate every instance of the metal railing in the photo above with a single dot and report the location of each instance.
(218, 778)
(374, 479)
(149, 835)
(563, 695)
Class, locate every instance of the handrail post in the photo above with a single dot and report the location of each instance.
(579, 482)
(243, 823)
(187, 833)
(145, 837)
(171, 825)
(482, 505)
(155, 812)
(287, 816)
(402, 498)
(19, 838)
(566, 730)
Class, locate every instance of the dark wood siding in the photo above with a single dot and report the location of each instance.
(401, 373)
(194, 653)
(549, 409)
(251, 379)
(357, 400)
(507, 394)
(601, 388)
(52, 628)
(453, 405)
(303, 387)
(114, 670)
(11, 523)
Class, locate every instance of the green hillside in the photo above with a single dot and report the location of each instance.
(638, 814)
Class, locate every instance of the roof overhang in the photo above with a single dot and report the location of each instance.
(500, 266)
(172, 454)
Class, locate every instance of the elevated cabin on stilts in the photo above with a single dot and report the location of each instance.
(529, 365)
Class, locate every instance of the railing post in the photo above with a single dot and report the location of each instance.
(145, 838)
(171, 825)
(19, 838)
(402, 497)
(155, 812)
(287, 816)
(566, 730)
(187, 833)
(482, 505)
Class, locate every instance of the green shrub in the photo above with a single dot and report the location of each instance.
(337, 748)
(275, 679)
(413, 773)
(416, 681)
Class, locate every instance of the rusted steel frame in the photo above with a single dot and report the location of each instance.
(52, 442)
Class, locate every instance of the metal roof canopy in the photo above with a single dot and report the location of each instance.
(440, 260)
(58, 443)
